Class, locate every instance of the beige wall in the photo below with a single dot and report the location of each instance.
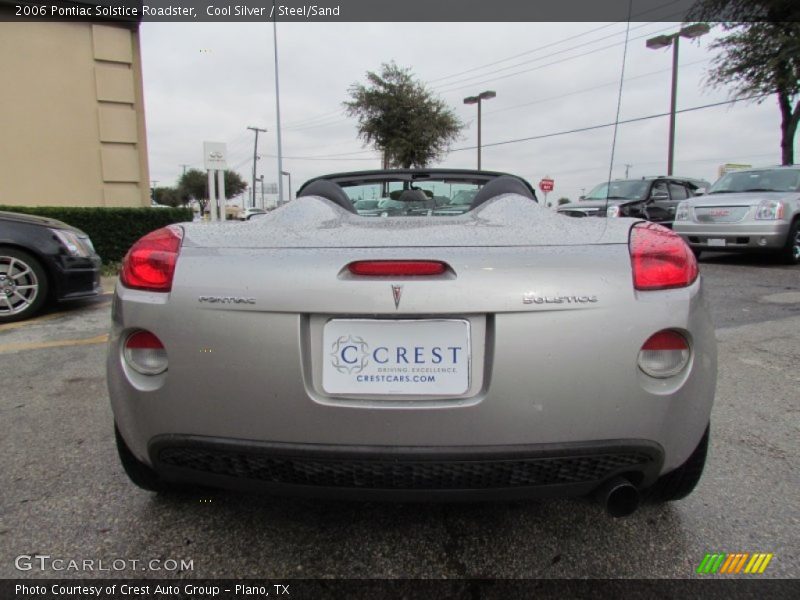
(72, 130)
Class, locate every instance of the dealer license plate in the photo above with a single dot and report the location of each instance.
(428, 357)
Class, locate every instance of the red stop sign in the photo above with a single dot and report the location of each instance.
(546, 184)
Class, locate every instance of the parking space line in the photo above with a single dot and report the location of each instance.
(55, 315)
(17, 325)
(99, 339)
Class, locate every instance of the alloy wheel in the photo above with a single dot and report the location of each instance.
(19, 286)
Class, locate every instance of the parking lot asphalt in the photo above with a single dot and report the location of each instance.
(64, 494)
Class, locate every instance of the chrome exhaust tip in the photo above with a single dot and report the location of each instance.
(619, 497)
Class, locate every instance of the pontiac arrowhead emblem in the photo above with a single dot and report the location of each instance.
(397, 291)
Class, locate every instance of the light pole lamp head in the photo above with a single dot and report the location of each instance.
(694, 31)
(487, 94)
(471, 100)
(658, 42)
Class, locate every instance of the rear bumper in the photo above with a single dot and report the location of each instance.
(541, 374)
(404, 473)
(769, 235)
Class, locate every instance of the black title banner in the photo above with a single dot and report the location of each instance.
(393, 589)
(321, 11)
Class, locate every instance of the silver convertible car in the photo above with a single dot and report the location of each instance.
(494, 350)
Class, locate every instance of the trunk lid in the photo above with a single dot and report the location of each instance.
(310, 222)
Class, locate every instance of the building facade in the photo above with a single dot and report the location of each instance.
(72, 125)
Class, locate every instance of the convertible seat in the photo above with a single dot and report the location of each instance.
(505, 184)
(330, 191)
(413, 196)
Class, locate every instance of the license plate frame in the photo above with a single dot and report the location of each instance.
(432, 348)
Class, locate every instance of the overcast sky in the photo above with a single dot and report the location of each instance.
(210, 81)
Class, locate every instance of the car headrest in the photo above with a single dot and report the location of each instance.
(505, 184)
(413, 196)
(330, 191)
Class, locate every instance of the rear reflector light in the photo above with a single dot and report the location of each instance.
(150, 263)
(145, 353)
(396, 268)
(664, 354)
(661, 259)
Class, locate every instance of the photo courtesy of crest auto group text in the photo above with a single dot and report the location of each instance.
(373, 300)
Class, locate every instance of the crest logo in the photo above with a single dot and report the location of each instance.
(350, 354)
(397, 292)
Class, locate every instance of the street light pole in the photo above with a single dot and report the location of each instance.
(664, 41)
(477, 100)
(672, 106)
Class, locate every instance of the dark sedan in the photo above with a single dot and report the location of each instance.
(43, 259)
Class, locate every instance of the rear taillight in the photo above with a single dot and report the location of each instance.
(396, 268)
(660, 258)
(145, 353)
(664, 354)
(150, 263)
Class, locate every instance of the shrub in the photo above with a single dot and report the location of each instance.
(113, 230)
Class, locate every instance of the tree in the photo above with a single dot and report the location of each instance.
(401, 118)
(193, 185)
(759, 56)
(168, 196)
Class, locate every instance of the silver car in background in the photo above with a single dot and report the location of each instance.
(746, 211)
(499, 351)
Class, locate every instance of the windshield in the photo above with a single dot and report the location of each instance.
(635, 189)
(774, 180)
(431, 197)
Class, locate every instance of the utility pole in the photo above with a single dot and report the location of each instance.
(184, 168)
(277, 104)
(261, 181)
(289, 175)
(153, 191)
(255, 160)
(627, 167)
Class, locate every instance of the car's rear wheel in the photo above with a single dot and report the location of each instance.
(23, 285)
(791, 252)
(679, 483)
(138, 472)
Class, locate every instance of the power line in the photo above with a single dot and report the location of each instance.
(320, 125)
(572, 93)
(314, 118)
(592, 88)
(661, 162)
(325, 122)
(538, 67)
(604, 125)
(619, 95)
(551, 54)
(502, 60)
(546, 46)
(323, 119)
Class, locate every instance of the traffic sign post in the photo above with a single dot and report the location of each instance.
(546, 185)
